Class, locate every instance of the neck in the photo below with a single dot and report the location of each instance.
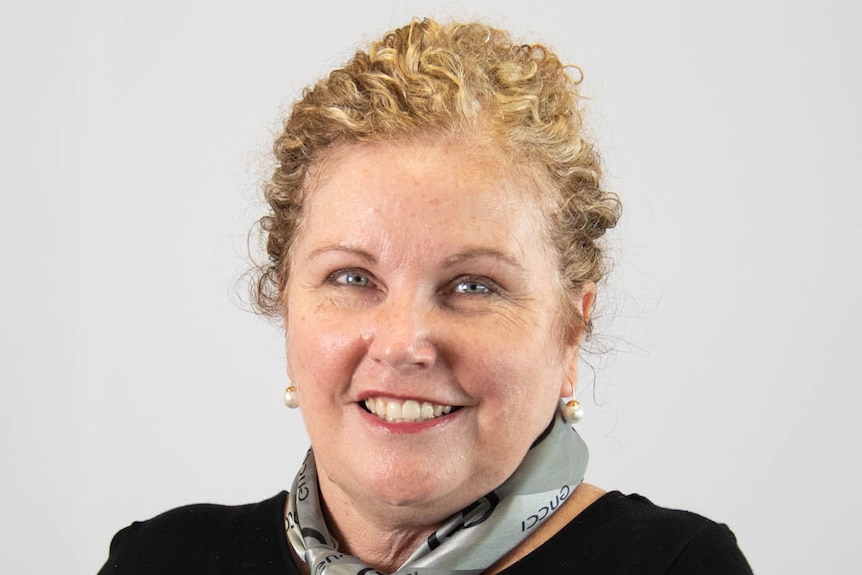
(585, 495)
(382, 536)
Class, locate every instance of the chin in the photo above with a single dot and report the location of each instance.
(411, 489)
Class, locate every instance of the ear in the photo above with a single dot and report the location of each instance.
(583, 303)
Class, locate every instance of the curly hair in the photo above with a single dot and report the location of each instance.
(429, 78)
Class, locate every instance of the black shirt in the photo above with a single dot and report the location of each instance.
(616, 534)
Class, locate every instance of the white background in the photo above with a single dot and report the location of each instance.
(135, 134)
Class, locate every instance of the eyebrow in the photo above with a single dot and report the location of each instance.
(482, 253)
(360, 253)
(450, 261)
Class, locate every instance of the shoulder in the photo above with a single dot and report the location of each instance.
(628, 533)
(203, 538)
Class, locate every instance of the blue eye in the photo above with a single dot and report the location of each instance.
(352, 279)
(472, 288)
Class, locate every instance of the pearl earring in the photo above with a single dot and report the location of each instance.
(291, 397)
(572, 411)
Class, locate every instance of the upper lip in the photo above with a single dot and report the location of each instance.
(402, 397)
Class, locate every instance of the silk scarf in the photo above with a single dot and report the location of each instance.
(471, 540)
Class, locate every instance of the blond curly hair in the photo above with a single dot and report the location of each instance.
(430, 78)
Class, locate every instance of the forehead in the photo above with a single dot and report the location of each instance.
(427, 182)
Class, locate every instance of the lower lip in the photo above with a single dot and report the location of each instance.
(408, 426)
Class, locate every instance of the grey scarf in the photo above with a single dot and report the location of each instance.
(471, 540)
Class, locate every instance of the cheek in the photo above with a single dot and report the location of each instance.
(320, 353)
(524, 376)
(514, 378)
(533, 348)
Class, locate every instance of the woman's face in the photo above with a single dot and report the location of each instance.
(423, 325)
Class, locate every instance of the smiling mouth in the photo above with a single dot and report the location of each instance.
(411, 410)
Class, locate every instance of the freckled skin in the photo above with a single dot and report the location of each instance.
(380, 300)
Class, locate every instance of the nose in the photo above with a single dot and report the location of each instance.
(401, 334)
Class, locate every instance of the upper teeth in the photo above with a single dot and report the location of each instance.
(410, 410)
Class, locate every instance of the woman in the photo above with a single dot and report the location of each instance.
(433, 245)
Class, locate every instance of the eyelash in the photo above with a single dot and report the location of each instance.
(341, 278)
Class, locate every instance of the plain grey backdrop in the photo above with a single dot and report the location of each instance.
(134, 139)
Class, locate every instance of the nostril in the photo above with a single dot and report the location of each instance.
(422, 352)
(415, 351)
